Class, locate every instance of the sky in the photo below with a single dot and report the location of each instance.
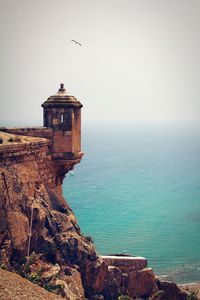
(139, 59)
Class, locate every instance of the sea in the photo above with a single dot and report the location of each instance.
(137, 191)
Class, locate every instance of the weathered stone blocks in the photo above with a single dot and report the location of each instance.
(126, 263)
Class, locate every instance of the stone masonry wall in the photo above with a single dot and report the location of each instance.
(30, 189)
(43, 132)
(36, 154)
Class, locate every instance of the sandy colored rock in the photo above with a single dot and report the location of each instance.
(14, 287)
(18, 226)
(51, 271)
(142, 283)
(193, 287)
(73, 288)
(114, 283)
(33, 209)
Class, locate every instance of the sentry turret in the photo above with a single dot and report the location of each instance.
(62, 113)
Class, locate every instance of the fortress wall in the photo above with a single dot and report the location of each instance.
(42, 132)
(32, 157)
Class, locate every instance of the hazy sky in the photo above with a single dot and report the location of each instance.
(139, 59)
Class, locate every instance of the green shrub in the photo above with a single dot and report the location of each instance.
(25, 264)
(193, 295)
(55, 288)
(31, 259)
(3, 267)
(124, 297)
(14, 140)
(157, 295)
(90, 239)
(33, 277)
(10, 140)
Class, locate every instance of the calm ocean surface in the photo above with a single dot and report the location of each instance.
(137, 190)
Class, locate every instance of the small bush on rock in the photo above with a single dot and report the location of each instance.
(193, 295)
(124, 297)
(10, 140)
(33, 277)
(55, 288)
(90, 239)
(3, 267)
(14, 140)
(31, 258)
(157, 295)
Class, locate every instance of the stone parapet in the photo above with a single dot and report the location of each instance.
(51, 149)
(36, 131)
(17, 146)
(34, 152)
(23, 149)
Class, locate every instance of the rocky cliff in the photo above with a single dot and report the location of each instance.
(35, 217)
(39, 235)
(13, 286)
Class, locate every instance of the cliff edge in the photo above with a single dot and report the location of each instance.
(13, 286)
(40, 238)
(34, 217)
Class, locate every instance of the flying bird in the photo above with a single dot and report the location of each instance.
(77, 43)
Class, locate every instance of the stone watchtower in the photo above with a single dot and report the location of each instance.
(62, 113)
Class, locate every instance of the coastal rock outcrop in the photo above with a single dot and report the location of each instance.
(34, 217)
(13, 286)
(40, 238)
(172, 291)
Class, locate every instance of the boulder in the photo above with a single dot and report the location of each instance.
(141, 283)
(171, 291)
(18, 226)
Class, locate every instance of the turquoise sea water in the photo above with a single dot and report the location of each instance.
(137, 190)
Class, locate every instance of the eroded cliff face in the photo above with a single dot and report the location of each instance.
(34, 217)
(33, 211)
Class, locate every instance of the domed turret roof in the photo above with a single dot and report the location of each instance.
(62, 99)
